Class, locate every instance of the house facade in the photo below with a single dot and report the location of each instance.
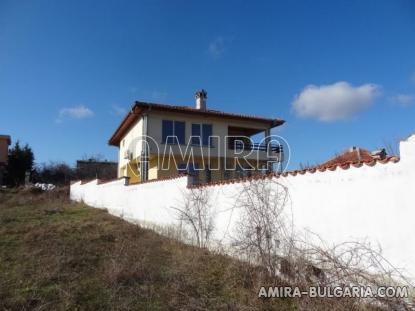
(158, 141)
(5, 142)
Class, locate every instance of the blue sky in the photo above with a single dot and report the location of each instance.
(341, 73)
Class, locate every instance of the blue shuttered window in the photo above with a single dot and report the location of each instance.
(196, 134)
(201, 134)
(206, 134)
(173, 132)
(179, 130)
(167, 130)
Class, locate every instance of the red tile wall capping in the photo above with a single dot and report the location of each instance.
(312, 170)
(321, 168)
(82, 181)
(101, 181)
(159, 179)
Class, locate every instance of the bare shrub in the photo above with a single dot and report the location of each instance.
(196, 215)
(264, 232)
(266, 237)
(351, 263)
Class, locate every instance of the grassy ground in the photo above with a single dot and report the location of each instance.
(57, 255)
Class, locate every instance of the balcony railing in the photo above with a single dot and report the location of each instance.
(248, 146)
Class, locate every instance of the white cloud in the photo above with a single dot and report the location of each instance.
(333, 102)
(403, 99)
(77, 112)
(217, 47)
(118, 110)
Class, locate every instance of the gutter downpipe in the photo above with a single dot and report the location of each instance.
(144, 150)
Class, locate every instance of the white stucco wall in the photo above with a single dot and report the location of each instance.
(370, 202)
(127, 144)
(148, 202)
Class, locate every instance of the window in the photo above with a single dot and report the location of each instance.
(179, 130)
(173, 132)
(201, 134)
(167, 130)
(196, 134)
(206, 134)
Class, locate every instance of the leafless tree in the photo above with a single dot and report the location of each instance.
(196, 213)
(264, 232)
(266, 236)
(391, 146)
(351, 263)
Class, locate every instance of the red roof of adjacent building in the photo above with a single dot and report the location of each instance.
(352, 155)
(6, 138)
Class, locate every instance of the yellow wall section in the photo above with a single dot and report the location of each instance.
(133, 172)
(219, 127)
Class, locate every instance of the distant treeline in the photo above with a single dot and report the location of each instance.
(21, 169)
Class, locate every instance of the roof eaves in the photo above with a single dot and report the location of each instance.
(138, 107)
(123, 127)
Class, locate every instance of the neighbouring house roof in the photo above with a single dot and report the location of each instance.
(6, 137)
(352, 155)
(140, 107)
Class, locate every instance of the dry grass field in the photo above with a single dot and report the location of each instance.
(58, 255)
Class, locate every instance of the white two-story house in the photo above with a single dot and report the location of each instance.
(157, 141)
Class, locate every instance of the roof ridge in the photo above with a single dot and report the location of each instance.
(191, 108)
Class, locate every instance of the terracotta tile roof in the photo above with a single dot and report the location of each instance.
(6, 138)
(140, 107)
(352, 155)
